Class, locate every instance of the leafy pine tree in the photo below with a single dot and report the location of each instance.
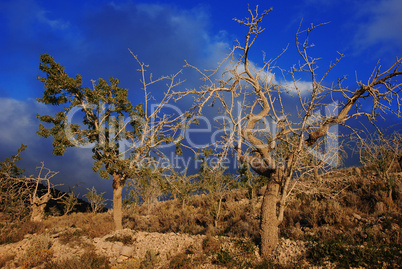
(103, 111)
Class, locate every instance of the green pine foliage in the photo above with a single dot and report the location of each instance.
(97, 117)
(100, 106)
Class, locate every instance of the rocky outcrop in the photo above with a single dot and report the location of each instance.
(125, 246)
(118, 246)
(164, 245)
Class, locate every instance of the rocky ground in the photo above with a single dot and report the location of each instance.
(129, 249)
(339, 221)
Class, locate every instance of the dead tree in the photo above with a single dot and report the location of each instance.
(382, 153)
(37, 200)
(251, 98)
(13, 191)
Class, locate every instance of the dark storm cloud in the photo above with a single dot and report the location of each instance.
(162, 36)
(19, 125)
(91, 39)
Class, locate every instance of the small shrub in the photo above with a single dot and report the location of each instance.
(69, 202)
(346, 256)
(247, 247)
(132, 263)
(97, 201)
(224, 257)
(36, 258)
(38, 252)
(150, 260)
(15, 232)
(211, 245)
(88, 260)
(71, 237)
(41, 241)
(180, 260)
(125, 239)
(5, 258)
(92, 260)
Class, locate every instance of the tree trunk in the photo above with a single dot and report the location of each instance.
(118, 184)
(269, 220)
(38, 212)
(183, 204)
(218, 212)
(38, 205)
(317, 177)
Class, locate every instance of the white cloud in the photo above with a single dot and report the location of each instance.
(152, 10)
(267, 76)
(23, 15)
(19, 125)
(382, 24)
(54, 24)
(304, 87)
(17, 120)
(163, 36)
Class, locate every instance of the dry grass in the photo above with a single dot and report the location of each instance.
(5, 258)
(344, 210)
(168, 216)
(37, 253)
(92, 225)
(196, 216)
(88, 260)
(14, 232)
(317, 210)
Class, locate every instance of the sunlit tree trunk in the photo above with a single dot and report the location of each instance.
(38, 205)
(269, 219)
(118, 184)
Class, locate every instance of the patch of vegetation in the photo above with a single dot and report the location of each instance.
(150, 260)
(270, 264)
(211, 245)
(246, 247)
(5, 258)
(71, 237)
(36, 258)
(224, 258)
(180, 260)
(37, 253)
(88, 260)
(131, 263)
(92, 225)
(125, 239)
(14, 232)
(346, 256)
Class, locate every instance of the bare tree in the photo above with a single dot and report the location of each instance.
(383, 153)
(216, 183)
(180, 185)
(13, 192)
(69, 202)
(96, 200)
(272, 125)
(19, 191)
(38, 199)
(147, 186)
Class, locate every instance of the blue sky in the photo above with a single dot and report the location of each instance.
(92, 38)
